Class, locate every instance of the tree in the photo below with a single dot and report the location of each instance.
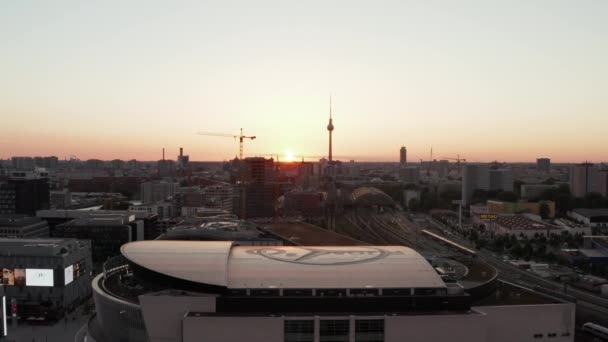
(545, 211)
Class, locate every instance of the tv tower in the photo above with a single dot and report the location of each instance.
(330, 128)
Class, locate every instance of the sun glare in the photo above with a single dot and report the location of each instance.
(289, 157)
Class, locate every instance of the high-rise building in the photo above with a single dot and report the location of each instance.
(474, 177)
(261, 189)
(46, 162)
(330, 129)
(583, 179)
(543, 165)
(23, 163)
(182, 160)
(152, 192)
(403, 156)
(501, 179)
(602, 182)
(25, 192)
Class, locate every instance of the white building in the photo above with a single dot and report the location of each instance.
(217, 291)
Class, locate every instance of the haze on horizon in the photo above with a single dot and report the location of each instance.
(489, 80)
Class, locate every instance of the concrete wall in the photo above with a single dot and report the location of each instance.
(469, 328)
(522, 322)
(230, 329)
(163, 314)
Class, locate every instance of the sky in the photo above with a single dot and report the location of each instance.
(487, 80)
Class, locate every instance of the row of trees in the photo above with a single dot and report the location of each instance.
(538, 248)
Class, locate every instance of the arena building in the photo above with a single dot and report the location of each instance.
(173, 291)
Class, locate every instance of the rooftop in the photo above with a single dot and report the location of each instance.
(222, 264)
(304, 234)
(591, 212)
(18, 220)
(38, 247)
(520, 222)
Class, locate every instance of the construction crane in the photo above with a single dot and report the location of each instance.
(241, 138)
(458, 159)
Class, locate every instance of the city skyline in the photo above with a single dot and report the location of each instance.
(484, 80)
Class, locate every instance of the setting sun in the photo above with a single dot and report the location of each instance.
(289, 157)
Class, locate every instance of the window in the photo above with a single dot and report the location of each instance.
(369, 330)
(334, 331)
(299, 331)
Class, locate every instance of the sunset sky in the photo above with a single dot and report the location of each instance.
(507, 80)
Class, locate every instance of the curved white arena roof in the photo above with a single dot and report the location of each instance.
(297, 267)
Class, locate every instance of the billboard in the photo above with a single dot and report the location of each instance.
(12, 276)
(68, 274)
(8, 276)
(39, 277)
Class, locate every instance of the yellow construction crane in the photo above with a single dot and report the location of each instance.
(458, 159)
(241, 137)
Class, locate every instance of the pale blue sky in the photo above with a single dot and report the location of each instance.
(507, 80)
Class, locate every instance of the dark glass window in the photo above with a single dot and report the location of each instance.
(369, 330)
(334, 331)
(299, 331)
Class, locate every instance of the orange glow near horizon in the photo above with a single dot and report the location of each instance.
(483, 80)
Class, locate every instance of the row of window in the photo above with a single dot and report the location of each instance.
(338, 292)
(551, 335)
(366, 330)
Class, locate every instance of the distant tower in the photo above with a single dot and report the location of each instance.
(403, 156)
(330, 128)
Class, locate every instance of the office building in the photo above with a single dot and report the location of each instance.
(602, 183)
(61, 199)
(25, 192)
(219, 196)
(543, 165)
(23, 227)
(533, 191)
(107, 233)
(260, 189)
(583, 179)
(23, 163)
(148, 220)
(94, 164)
(409, 174)
(474, 177)
(152, 192)
(46, 162)
(219, 291)
(45, 278)
(501, 180)
(165, 168)
(403, 156)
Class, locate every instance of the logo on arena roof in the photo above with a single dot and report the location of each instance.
(322, 256)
